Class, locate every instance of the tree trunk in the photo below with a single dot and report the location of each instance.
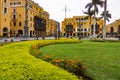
(90, 26)
(104, 28)
(94, 35)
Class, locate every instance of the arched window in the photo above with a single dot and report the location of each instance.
(5, 10)
(5, 32)
(119, 29)
(5, 1)
(30, 33)
(20, 33)
(111, 29)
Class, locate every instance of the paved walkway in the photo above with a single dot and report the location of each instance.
(17, 39)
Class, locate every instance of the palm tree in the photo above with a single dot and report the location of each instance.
(104, 28)
(89, 14)
(108, 15)
(94, 4)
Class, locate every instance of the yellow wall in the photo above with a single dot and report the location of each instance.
(4, 18)
(116, 29)
(20, 17)
(84, 25)
(51, 29)
(16, 9)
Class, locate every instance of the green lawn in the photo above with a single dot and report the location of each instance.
(102, 59)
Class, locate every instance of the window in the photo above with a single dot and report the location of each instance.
(14, 23)
(30, 24)
(18, 3)
(20, 15)
(30, 18)
(111, 29)
(20, 24)
(5, 19)
(119, 29)
(5, 10)
(30, 6)
(14, 10)
(14, 17)
(5, 1)
(11, 3)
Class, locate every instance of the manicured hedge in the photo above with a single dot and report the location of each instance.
(0, 44)
(17, 63)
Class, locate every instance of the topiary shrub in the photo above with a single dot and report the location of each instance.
(1, 36)
(1, 44)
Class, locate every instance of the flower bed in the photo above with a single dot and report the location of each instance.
(71, 65)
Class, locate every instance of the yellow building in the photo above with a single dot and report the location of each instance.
(113, 29)
(80, 26)
(18, 18)
(54, 28)
(4, 18)
(23, 18)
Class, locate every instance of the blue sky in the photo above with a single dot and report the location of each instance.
(54, 7)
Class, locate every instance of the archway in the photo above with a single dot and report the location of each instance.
(20, 33)
(5, 32)
(31, 33)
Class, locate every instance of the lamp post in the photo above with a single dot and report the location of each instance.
(26, 20)
(104, 28)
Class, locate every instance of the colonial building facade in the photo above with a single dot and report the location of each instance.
(113, 29)
(54, 28)
(4, 17)
(21, 17)
(81, 26)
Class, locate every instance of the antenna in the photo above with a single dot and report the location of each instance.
(65, 10)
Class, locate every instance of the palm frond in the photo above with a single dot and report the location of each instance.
(108, 15)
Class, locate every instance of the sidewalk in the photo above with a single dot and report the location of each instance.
(18, 39)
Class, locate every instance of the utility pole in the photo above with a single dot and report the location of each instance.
(26, 20)
(104, 28)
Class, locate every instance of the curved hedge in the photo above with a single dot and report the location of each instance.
(17, 63)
